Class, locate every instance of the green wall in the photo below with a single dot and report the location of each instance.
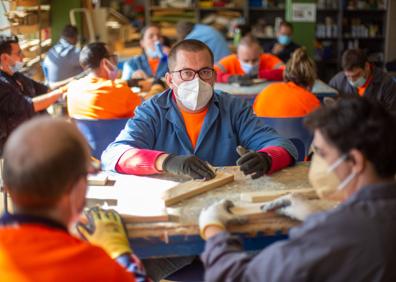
(60, 15)
(304, 32)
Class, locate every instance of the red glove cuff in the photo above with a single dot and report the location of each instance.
(280, 157)
(138, 162)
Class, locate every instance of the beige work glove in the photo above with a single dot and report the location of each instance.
(106, 230)
(293, 206)
(218, 214)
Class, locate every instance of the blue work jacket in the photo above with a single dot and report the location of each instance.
(159, 125)
(141, 63)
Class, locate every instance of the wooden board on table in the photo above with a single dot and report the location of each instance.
(131, 218)
(250, 211)
(193, 188)
(264, 196)
(99, 179)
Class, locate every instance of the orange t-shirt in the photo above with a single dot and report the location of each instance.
(285, 99)
(362, 89)
(98, 98)
(32, 252)
(153, 63)
(193, 123)
(232, 66)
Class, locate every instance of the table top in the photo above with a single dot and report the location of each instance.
(319, 88)
(186, 213)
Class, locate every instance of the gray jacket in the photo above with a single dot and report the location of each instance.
(353, 242)
(382, 88)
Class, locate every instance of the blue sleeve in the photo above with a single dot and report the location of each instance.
(139, 132)
(133, 265)
(129, 68)
(254, 134)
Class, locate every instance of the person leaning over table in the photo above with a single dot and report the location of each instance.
(190, 124)
(47, 182)
(100, 95)
(20, 97)
(293, 97)
(355, 241)
(249, 62)
(361, 78)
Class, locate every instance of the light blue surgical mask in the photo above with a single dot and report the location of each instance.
(248, 68)
(284, 39)
(17, 67)
(358, 82)
(152, 53)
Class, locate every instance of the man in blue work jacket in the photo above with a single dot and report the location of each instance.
(190, 124)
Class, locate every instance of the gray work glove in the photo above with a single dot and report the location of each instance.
(218, 214)
(255, 163)
(293, 206)
(188, 165)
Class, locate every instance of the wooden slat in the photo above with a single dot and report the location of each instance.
(192, 188)
(131, 218)
(264, 196)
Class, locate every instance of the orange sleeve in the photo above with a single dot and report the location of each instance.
(133, 101)
(228, 66)
(270, 62)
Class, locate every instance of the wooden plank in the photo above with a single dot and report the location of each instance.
(251, 211)
(135, 218)
(264, 196)
(99, 179)
(192, 188)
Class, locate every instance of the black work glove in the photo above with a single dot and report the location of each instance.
(251, 162)
(159, 81)
(133, 82)
(188, 165)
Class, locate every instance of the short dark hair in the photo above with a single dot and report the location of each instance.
(183, 28)
(5, 43)
(191, 45)
(92, 54)
(362, 124)
(287, 24)
(354, 58)
(70, 31)
(144, 29)
(37, 171)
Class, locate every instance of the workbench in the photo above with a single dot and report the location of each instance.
(181, 237)
(320, 89)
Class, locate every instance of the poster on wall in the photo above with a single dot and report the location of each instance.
(304, 12)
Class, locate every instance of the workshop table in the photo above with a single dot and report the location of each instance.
(181, 237)
(320, 89)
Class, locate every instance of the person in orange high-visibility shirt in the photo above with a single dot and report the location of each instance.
(46, 162)
(100, 95)
(249, 62)
(293, 97)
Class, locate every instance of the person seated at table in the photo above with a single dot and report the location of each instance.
(283, 47)
(46, 162)
(99, 95)
(62, 60)
(293, 97)
(190, 124)
(361, 78)
(249, 62)
(353, 241)
(152, 63)
(21, 97)
(206, 34)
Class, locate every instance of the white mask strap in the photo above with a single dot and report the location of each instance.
(346, 181)
(337, 163)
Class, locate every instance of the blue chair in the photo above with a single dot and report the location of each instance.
(100, 132)
(294, 130)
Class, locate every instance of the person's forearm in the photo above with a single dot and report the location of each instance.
(44, 101)
(222, 77)
(224, 258)
(140, 162)
(280, 158)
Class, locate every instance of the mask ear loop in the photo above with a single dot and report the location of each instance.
(337, 163)
(346, 181)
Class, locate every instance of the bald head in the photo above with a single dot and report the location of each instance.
(249, 50)
(42, 159)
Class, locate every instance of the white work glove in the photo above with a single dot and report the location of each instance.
(292, 205)
(218, 214)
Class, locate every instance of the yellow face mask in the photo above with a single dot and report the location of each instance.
(323, 179)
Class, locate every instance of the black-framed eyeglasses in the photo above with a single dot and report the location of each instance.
(189, 74)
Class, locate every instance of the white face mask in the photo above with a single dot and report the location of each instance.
(194, 94)
(323, 179)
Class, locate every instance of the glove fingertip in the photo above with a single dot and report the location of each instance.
(82, 230)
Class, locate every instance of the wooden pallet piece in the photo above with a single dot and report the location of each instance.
(250, 211)
(264, 196)
(131, 218)
(193, 188)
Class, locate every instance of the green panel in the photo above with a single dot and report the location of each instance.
(304, 33)
(60, 16)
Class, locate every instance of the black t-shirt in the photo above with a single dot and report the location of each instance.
(285, 54)
(16, 105)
